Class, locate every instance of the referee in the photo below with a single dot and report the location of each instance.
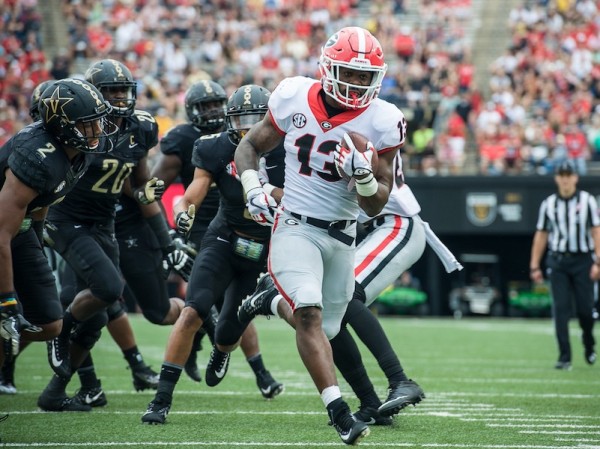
(569, 227)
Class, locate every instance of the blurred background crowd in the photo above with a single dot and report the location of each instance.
(507, 87)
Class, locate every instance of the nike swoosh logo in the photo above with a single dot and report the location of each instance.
(266, 390)
(271, 167)
(223, 369)
(89, 399)
(133, 146)
(220, 239)
(55, 361)
(76, 226)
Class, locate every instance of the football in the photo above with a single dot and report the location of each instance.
(360, 142)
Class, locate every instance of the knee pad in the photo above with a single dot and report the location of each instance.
(88, 333)
(155, 316)
(115, 310)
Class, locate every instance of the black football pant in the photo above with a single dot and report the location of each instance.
(570, 277)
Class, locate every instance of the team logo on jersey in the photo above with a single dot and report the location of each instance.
(482, 208)
(231, 170)
(299, 120)
(291, 222)
(326, 125)
(60, 186)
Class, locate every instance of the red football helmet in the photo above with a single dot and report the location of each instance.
(354, 48)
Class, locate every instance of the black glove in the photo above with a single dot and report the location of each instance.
(180, 262)
(12, 323)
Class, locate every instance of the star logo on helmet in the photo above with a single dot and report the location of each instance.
(53, 103)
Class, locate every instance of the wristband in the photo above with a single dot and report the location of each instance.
(268, 188)
(367, 186)
(250, 180)
(8, 299)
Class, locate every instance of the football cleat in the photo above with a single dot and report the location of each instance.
(259, 302)
(370, 416)
(50, 401)
(144, 378)
(93, 396)
(349, 430)
(590, 356)
(566, 366)
(403, 394)
(268, 386)
(217, 367)
(191, 367)
(58, 356)
(156, 413)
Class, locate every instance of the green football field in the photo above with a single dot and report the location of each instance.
(489, 384)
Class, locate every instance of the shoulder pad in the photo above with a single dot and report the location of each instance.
(30, 166)
(148, 128)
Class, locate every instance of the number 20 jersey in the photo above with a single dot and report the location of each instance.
(312, 184)
(94, 197)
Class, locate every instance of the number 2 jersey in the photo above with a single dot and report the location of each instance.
(312, 184)
(39, 162)
(94, 197)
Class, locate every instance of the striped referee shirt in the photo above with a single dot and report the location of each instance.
(568, 222)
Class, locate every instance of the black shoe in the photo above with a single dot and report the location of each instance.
(7, 377)
(59, 402)
(191, 367)
(58, 356)
(217, 367)
(144, 377)
(93, 397)
(349, 430)
(403, 394)
(268, 386)
(370, 416)
(156, 413)
(563, 365)
(259, 302)
(590, 356)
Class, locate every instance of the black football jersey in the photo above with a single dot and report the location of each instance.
(179, 141)
(214, 153)
(39, 162)
(95, 196)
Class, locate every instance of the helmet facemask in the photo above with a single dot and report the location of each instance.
(208, 115)
(122, 98)
(239, 124)
(356, 49)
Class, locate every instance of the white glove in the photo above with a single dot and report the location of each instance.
(351, 162)
(153, 190)
(261, 207)
(184, 220)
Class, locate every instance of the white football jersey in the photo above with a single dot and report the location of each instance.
(402, 200)
(312, 185)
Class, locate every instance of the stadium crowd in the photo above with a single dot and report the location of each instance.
(544, 90)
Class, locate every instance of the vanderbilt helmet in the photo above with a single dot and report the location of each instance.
(34, 108)
(357, 49)
(205, 105)
(246, 106)
(76, 114)
(116, 83)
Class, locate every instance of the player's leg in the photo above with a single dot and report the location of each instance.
(209, 279)
(390, 248)
(583, 290)
(92, 253)
(560, 286)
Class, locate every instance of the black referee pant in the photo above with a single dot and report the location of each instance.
(569, 274)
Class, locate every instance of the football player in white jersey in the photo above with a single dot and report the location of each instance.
(394, 241)
(311, 258)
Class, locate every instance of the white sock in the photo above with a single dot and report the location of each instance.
(330, 394)
(274, 304)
